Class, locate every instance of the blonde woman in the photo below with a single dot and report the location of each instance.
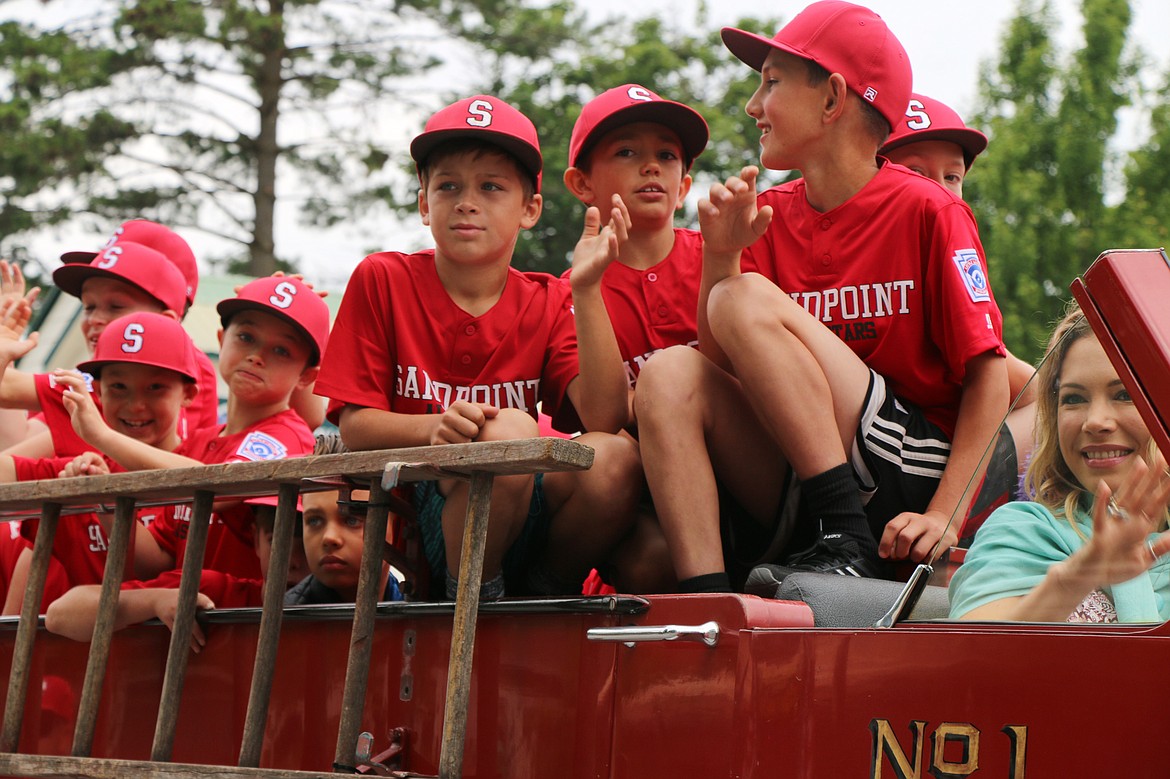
(1090, 546)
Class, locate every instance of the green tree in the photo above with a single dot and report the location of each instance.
(1040, 191)
(1142, 219)
(210, 108)
(44, 148)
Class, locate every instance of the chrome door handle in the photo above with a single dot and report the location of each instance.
(707, 633)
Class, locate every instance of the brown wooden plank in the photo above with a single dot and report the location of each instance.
(55, 767)
(180, 646)
(475, 528)
(267, 642)
(103, 629)
(534, 455)
(26, 631)
(361, 642)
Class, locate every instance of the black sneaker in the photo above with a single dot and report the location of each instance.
(833, 553)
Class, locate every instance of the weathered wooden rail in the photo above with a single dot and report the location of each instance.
(379, 471)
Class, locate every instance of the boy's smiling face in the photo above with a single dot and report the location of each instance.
(104, 299)
(643, 163)
(263, 358)
(144, 402)
(787, 109)
(941, 161)
(476, 205)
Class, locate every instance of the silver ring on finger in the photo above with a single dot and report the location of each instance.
(1115, 510)
(1153, 554)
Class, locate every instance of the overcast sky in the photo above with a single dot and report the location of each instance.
(946, 40)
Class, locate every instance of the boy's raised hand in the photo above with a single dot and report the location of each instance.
(461, 422)
(599, 245)
(12, 284)
(14, 317)
(87, 420)
(729, 218)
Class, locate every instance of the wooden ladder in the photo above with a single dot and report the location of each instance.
(125, 492)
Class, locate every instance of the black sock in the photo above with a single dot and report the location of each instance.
(708, 582)
(833, 499)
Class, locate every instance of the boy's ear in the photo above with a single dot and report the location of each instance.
(308, 376)
(684, 189)
(219, 337)
(835, 94)
(577, 181)
(424, 209)
(190, 390)
(532, 211)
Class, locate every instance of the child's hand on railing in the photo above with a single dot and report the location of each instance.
(85, 464)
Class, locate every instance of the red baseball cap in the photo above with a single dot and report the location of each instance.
(488, 119)
(842, 38)
(928, 119)
(631, 103)
(144, 338)
(134, 264)
(155, 236)
(288, 298)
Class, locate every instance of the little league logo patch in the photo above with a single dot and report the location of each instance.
(974, 278)
(87, 378)
(258, 446)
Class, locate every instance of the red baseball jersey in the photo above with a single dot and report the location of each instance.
(897, 272)
(229, 538)
(80, 549)
(657, 307)
(226, 591)
(400, 343)
(202, 414)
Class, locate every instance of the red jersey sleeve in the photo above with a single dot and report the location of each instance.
(224, 590)
(359, 363)
(66, 442)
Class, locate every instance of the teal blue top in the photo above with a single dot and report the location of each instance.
(1019, 541)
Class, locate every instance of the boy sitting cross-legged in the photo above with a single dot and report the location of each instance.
(273, 334)
(452, 345)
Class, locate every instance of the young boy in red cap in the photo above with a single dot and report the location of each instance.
(863, 357)
(274, 332)
(144, 372)
(934, 141)
(125, 278)
(631, 143)
(452, 345)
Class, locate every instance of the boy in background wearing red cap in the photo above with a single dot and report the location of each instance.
(933, 141)
(126, 278)
(273, 335)
(452, 345)
(144, 372)
(118, 294)
(631, 143)
(869, 314)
